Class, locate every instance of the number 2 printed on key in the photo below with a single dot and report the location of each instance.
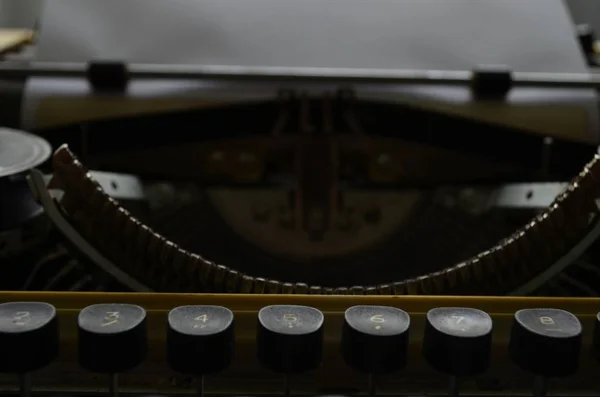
(21, 318)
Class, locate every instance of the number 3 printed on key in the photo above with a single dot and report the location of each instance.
(110, 319)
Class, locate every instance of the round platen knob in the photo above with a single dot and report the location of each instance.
(375, 338)
(29, 336)
(546, 342)
(290, 338)
(458, 341)
(200, 339)
(112, 337)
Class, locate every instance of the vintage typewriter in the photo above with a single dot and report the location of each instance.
(308, 218)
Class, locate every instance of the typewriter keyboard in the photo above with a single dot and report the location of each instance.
(164, 344)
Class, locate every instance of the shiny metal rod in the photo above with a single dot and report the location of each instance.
(540, 387)
(113, 385)
(286, 386)
(200, 386)
(453, 387)
(372, 386)
(271, 73)
(25, 384)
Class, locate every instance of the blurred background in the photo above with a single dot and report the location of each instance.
(23, 13)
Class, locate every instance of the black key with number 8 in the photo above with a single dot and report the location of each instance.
(112, 337)
(546, 342)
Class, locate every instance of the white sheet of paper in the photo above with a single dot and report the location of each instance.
(529, 36)
(532, 35)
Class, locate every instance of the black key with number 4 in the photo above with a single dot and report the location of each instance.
(200, 339)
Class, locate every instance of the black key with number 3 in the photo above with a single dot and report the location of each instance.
(112, 339)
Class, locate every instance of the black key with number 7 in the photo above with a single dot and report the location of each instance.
(458, 342)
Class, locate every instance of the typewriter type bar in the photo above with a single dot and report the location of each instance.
(299, 344)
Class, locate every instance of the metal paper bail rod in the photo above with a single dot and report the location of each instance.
(269, 73)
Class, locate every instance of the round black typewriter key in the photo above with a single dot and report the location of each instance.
(29, 339)
(596, 339)
(112, 339)
(546, 343)
(458, 342)
(289, 339)
(200, 340)
(375, 340)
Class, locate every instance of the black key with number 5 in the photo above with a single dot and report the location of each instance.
(112, 339)
(289, 339)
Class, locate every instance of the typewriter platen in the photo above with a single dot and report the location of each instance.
(252, 230)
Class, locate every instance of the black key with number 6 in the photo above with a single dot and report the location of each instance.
(200, 340)
(112, 339)
(375, 340)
